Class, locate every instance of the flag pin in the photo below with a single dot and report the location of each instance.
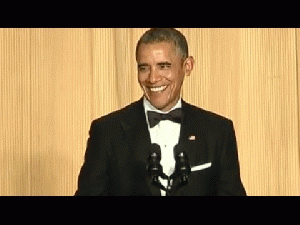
(192, 138)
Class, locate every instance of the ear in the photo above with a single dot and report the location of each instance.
(189, 65)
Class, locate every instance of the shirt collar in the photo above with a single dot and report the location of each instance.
(149, 107)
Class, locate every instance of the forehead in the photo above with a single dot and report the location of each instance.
(157, 51)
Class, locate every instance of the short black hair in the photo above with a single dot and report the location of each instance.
(158, 35)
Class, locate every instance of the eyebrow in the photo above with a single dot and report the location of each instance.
(143, 64)
(160, 64)
(164, 63)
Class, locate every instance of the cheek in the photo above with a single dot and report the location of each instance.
(141, 79)
(177, 81)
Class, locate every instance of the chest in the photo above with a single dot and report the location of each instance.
(166, 133)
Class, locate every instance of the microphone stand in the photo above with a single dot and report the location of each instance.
(184, 178)
(155, 169)
(167, 189)
(182, 171)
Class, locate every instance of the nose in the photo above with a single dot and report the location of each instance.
(154, 76)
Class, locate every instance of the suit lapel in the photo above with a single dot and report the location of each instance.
(192, 140)
(138, 138)
(192, 136)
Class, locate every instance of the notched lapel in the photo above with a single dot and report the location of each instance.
(192, 138)
(138, 139)
(194, 142)
(136, 132)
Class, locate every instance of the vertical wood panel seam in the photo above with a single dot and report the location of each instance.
(92, 33)
(30, 107)
(297, 88)
(119, 102)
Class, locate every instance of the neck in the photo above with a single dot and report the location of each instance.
(166, 110)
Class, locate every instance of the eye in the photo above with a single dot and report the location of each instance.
(143, 68)
(165, 66)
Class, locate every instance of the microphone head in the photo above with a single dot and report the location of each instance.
(154, 167)
(178, 149)
(155, 152)
(181, 158)
(182, 162)
(182, 167)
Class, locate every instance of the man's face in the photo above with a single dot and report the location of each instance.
(161, 73)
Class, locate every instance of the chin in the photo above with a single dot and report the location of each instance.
(160, 105)
(156, 104)
(159, 102)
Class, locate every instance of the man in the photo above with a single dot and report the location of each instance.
(119, 145)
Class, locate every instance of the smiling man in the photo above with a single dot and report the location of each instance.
(120, 143)
(161, 69)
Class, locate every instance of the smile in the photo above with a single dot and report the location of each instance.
(157, 89)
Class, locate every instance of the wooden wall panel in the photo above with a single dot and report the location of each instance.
(268, 104)
(54, 82)
(115, 82)
(297, 34)
(61, 107)
(15, 111)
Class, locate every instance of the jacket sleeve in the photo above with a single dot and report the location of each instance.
(94, 177)
(229, 173)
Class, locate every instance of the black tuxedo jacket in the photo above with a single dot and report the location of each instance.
(119, 146)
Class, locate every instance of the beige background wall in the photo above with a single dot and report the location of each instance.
(54, 82)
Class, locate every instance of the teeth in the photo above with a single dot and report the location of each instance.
(156, 89)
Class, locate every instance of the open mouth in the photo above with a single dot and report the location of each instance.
(157, 89)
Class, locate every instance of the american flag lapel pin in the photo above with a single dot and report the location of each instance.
(192, 138)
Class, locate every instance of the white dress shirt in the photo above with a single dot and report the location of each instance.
(166, 135)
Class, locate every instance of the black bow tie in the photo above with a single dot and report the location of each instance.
(154, 118)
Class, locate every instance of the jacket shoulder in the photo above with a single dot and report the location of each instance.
(210, 121)
(115, 116)
(208, 115)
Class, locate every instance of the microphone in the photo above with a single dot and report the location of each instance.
(154, 167)
(182, 167)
